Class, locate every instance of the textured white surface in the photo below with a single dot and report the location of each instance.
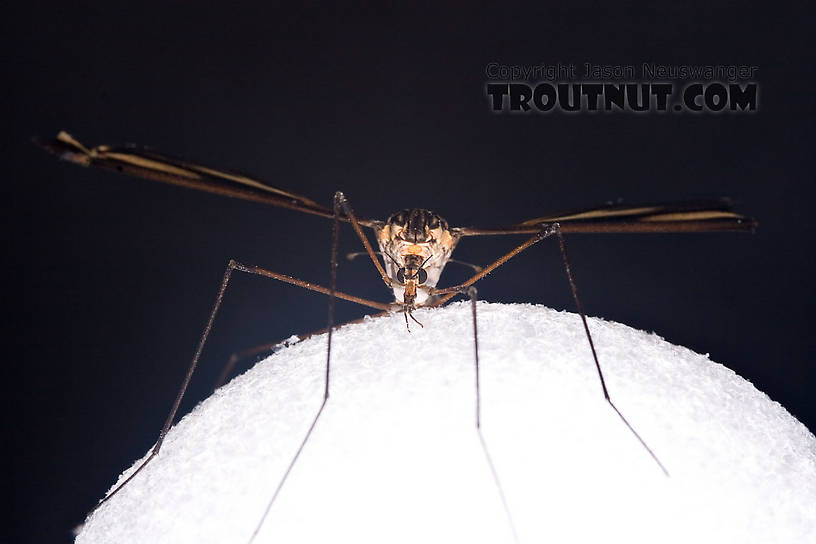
(395, 456)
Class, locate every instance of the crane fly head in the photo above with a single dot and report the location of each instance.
(416, 244)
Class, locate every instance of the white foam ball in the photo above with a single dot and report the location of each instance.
(395, 456)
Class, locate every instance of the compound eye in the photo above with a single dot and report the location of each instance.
(423, 276)
(401, 275)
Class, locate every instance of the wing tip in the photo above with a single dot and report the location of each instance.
(65, 147)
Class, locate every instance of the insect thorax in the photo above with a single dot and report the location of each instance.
(411, 237)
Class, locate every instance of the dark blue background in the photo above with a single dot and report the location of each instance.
(110, 279)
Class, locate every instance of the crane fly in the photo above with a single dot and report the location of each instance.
(414, 244)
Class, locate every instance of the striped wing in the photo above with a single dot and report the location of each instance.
(144, 163)
(691, 216)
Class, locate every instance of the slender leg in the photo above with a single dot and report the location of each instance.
(471, 291)
(547, 231)
(288, 469)
(450, 292)
(472, 294)
(557, 230)
(311, 286)
(171, 416)
(338, 201)
(232, 266)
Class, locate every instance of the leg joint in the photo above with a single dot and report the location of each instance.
(548, 230)
(235, 265)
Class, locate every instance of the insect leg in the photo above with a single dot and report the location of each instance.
(232, 266)
(450, 292)
(472, 293)
(338, 200)
(311, 286)
(556, 229)
(545, 232)
(171, 416)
